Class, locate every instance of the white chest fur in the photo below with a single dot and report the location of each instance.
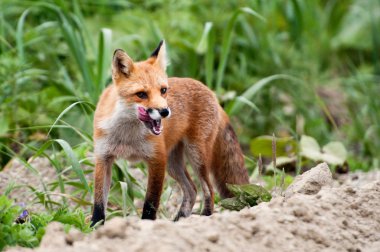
(125, 136)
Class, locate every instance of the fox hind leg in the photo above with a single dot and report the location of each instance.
(177, 170)
(197, 156)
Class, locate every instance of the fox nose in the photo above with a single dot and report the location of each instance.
(157, 114)
(164, 112)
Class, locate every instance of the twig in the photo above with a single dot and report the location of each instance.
(274, 159)
(282, 183)
(260, 166)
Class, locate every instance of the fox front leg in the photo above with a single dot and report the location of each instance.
(155, 186)
(103, 168)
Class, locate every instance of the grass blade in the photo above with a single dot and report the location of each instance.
(127, 202)
(104, 59)
(77, 200)
(206, 45)
(67, 110)
(227, 40)
(74, 162)
(254, 89)
(19, 36)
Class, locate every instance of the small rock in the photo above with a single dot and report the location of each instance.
(311, 181)
(212, 237)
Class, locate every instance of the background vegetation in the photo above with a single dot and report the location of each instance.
(288, 67)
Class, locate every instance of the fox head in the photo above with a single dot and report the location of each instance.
(143, 86)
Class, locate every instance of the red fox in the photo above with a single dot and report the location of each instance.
(144, 115)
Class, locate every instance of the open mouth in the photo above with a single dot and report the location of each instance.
(153, 125)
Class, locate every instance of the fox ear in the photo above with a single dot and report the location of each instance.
(160, 56)
(122, 64)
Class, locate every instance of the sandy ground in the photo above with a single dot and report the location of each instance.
(16, 175)
(24, 181)
(316, 214)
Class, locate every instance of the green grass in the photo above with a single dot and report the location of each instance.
(29, 232)
(267, 61)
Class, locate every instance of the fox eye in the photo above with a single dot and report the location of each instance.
(142, 95)
(163, 90)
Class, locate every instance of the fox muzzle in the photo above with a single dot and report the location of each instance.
(157, 114)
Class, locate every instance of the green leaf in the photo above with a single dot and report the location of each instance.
(232, 204)
(310, 148)
(263, 145)
(334, 153)
(245, 195)
(4, 126)
(355, 30)
(282, 161)
(202, 46)
(250, 192)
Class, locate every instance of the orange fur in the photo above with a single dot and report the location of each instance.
(197, 127)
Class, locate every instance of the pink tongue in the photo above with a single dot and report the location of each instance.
(143, 115)
(142, 111)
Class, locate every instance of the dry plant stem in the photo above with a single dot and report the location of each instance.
(282, 183)
(274, 159)
(260, 165)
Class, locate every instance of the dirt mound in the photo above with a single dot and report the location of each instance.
(315, 215)
(311, 181)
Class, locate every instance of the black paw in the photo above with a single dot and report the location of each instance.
(98, 215)
(149, 212)
(207, 211)
(179, 215)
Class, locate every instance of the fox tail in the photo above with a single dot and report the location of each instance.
(228, 161)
